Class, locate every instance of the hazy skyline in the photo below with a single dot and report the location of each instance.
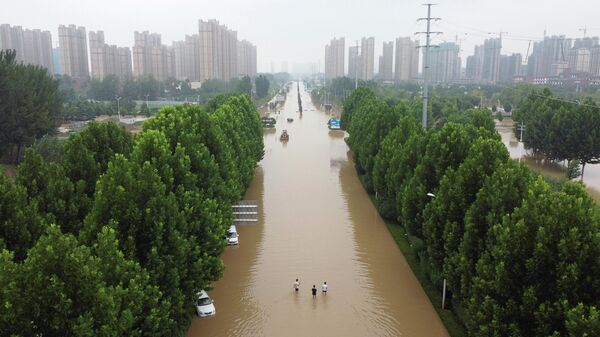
(297, 31)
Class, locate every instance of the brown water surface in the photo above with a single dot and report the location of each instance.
(317, 224)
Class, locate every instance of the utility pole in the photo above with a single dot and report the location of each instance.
(426, 60)
(118, 107)
(584, 30)
(522, 127)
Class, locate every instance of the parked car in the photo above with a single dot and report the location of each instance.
(232, 236)
(205, 306)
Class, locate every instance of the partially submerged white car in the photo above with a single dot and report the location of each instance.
(205, 306)
(232, 236)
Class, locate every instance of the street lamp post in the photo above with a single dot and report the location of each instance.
(431, 195)
(118, 107)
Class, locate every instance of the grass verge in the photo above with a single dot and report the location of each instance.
(450, 320)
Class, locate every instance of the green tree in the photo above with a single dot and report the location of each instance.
(71, 291)
(30, 103)
(88, 152)
(245, 86)
(20, 222)
(262, 86)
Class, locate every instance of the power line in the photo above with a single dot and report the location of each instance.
(576, 102)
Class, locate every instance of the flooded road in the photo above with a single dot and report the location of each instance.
(591, 177)
(317, 224)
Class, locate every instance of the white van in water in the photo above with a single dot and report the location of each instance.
(232, 236)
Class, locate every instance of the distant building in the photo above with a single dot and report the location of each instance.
(367, 58)
(595, 61)
(407, 59)
(491, 60)
(386, 62)
(474, 67)
(247, 59)
(334, 58)
(32, 46)
(108, 59)
(73, 51)
(56, 61)
(151, 57)
(444, 63)
(217, 51)
(510, 66)
(548, 56)
(353, 62)
(579, 60)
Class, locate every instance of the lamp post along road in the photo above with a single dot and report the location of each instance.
(118, 107)
(431, 195)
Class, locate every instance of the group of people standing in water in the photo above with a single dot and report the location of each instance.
(314, 288)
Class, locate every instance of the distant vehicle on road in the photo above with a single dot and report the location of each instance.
(334, 124)
(232, 236)
(284, 136)
(290, 119)
(205, 306)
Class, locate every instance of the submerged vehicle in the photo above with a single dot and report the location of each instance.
(334, 123)
(284, 136)
(205, 305)
(232, 236)
(268, 122)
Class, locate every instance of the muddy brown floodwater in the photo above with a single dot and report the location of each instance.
(317, 224)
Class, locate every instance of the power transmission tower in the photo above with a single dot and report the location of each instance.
(426, 60)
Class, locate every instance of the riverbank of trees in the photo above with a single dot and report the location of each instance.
(520, 256)
(116, 236)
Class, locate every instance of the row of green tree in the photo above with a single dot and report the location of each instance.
(560, 129)
(146, 87)
(520, 256)
(112, 235)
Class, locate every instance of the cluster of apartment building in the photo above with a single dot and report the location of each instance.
(361, 60)
(554, 60)
(213, 53)
(31, 45)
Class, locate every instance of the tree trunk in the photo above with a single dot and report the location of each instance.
(582, 170)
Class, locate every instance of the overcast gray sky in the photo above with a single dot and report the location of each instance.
(297, 31)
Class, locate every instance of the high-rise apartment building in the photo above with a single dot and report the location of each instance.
(548, 56)
(367, 58)
(510, 66)
(353, 62)
(491, 60)
(579, 60)
(474, 67)
(247, 59)
(444, 63)
(151, 57)
(108, 59)
(334, 58)
(218, 51)
(31, 46)
(12, 38)
(386, 62)
(178, 49)
(72, 42)
(595, 61)
(407, 59)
